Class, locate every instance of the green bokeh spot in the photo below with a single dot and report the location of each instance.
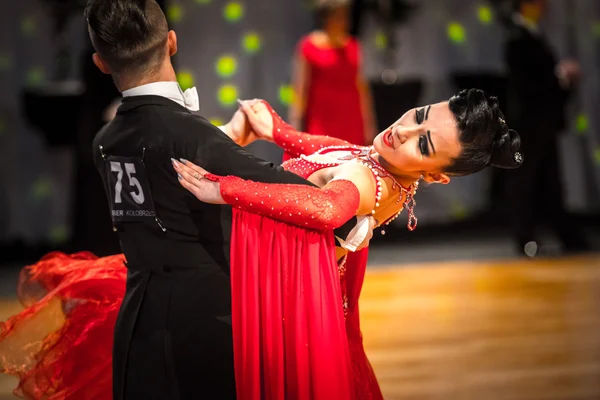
(596, 29)
(597, 155)
(233, 11)
(286, 94)
(216, 121)
(185, 79)
(458, 211)
(456, 33)
(35, 76)
(41, 189)
(226, 66)
(227, 95)
(381, 40)
(202, 2)
(28, 25)
(582, 124)
(485, 14)
(174, 13)
(251, 42)
(59, 234)
(6, 62)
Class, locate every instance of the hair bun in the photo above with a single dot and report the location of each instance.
(505, 153)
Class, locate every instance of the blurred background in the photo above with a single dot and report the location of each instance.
(495, 296)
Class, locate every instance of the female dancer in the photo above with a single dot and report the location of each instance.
(431, 143)
(306, 329)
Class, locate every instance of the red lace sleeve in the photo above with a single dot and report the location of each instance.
(309, 207)
(296, 143)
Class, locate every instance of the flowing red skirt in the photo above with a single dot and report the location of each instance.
(60, 346)
(288, 323)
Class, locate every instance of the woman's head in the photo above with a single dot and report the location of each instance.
(453, 138)
(333, 15)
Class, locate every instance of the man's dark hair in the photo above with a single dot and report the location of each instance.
(129, 35)
(484, 136)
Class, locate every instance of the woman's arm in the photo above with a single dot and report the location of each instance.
(315, 208)
(268, 125)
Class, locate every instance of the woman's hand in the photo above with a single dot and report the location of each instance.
(194, 179)
(259, 117)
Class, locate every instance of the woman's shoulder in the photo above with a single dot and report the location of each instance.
(311, 41)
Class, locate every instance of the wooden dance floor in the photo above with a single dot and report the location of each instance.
(501, 330)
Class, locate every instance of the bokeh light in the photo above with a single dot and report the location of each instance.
(227, 95)
(251, 42)
(216, 121)
(185, 79)
(485, 14)
(458, 210)
(202, 2)
(226, 66)
(58, 234)
(381, 40)
(174, 13)
(582, 124)
(597, 155)
(596, 29)
(456, 33)
(233, 11)
(6, 62)
(41, 189)
(35, 76)
(286, 94)
(28, 25)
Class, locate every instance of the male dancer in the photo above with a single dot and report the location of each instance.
(173, 337)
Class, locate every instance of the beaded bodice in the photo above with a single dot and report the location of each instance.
(305, 166)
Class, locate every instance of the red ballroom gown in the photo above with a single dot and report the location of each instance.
(294, 308)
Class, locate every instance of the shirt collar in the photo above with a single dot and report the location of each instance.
(170, 90)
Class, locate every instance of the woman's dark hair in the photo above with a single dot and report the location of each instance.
(484, 136)
(324, 8)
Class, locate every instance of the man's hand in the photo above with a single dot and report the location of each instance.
(259, 117)
(239, 130)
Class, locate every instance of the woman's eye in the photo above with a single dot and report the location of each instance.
(423, 146)
(419, 114)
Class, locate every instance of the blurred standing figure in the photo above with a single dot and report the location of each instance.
(332, 95)
(538, 89)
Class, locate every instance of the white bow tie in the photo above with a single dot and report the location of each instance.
(191, 100)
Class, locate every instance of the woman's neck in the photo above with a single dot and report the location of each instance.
(336, 38)
(401, 176)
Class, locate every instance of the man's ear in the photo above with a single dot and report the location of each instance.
(172, 43)
(102, 66)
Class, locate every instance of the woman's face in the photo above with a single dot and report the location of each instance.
(338, 19)
(423, 141)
